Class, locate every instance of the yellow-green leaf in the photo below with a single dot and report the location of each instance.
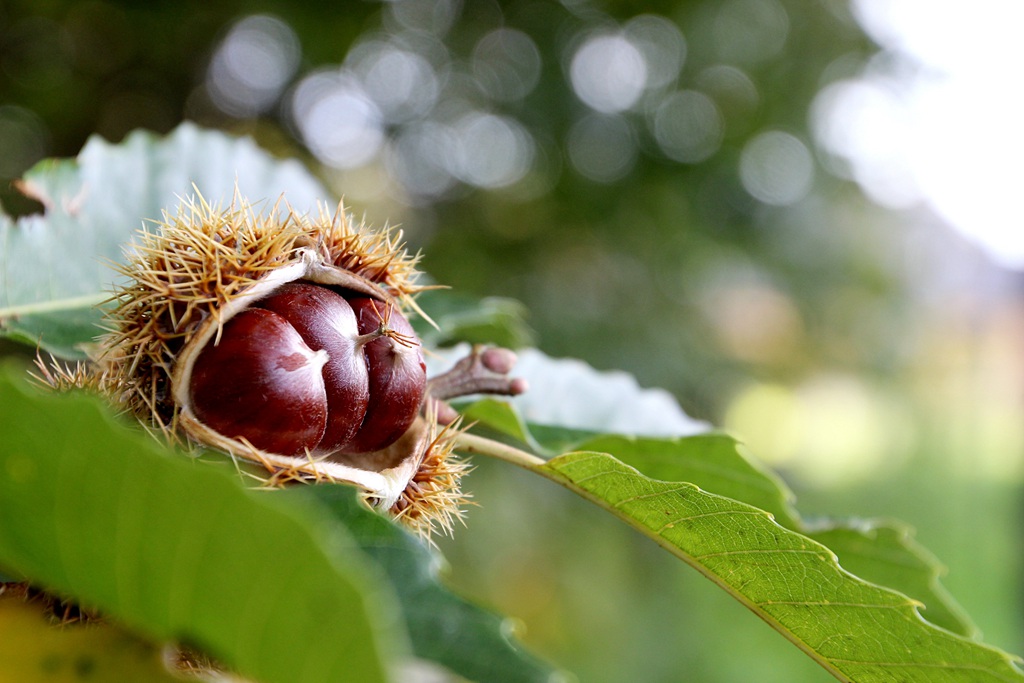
(878, 551)
(34, 651)
(856, 630)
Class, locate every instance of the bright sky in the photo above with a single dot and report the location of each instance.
(939, 116)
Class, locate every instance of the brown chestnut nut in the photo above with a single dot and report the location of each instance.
(263, 383)
(325, 321)
(370, 374)
(398, 374)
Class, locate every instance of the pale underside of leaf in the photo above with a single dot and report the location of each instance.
(54, 265)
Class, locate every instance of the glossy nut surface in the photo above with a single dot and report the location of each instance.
(309, 369)
(397, 371)
(263, 383)
(325, 321)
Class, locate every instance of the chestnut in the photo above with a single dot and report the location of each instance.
(263, 383)
(281, 338)
(360, 382)
(397, 371)
(326, 321)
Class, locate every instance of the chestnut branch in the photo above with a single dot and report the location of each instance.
(484, 371)
(474, 444)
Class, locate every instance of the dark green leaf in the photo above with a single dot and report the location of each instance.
(443, 628)
(462, 318)
(180, 550)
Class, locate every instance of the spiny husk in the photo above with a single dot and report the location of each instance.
(202, 266)
(61, 378)
(433, 500)
(57, 610)
(204, 263)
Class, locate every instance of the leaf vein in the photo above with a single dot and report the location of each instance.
(830, 603)
(702, 515)
(653, 494)
(759, 551)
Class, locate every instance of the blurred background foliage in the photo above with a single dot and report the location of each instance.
(667, 187)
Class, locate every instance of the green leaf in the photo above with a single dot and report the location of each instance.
(66, 331)
(180, 550)
(885, 553)
(53, 266)
(856, 630)
(879, 552)
(33, 651)
(464, 318)
(443, 628)
(501, 417)
(712, 461)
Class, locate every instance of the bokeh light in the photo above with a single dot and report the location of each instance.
(252, 65)
(860, 127)
(934, 117)
(602, 148)
(750, 31)
(688, 126)
(506, 64)
(608, 73)
(401, 83)
(776, 168)
(755, 321)
(417, 158)
(428, 17)
(337, 119)
(490, 151)
(662, 45)
(832, 431)
(734, 93)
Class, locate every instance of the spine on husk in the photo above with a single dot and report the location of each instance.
(203, 274)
